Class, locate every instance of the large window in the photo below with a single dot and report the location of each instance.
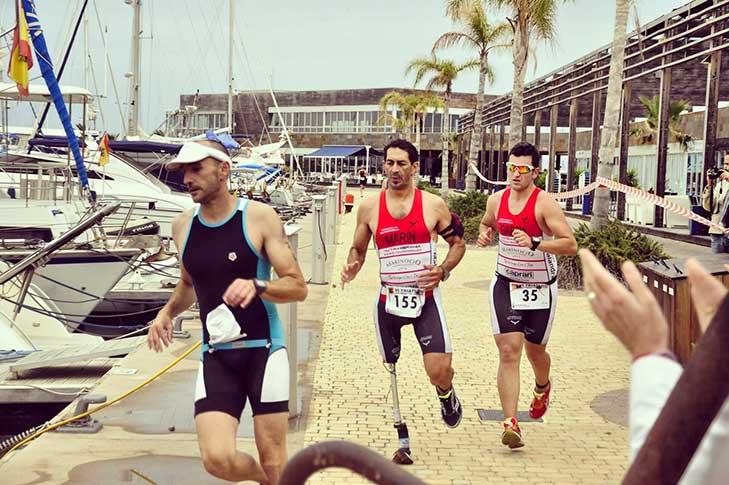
(190, 125)
(365, 121)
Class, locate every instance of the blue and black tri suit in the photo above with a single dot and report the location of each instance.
(255, 366)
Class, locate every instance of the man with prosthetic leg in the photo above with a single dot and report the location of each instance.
(532, 231)
(405, 223)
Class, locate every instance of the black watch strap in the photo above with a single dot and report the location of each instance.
(259, 285)
(446, 274)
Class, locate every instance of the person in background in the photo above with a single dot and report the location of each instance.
(362, 181)
(712, 200)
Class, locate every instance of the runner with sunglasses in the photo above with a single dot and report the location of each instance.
(532, 231)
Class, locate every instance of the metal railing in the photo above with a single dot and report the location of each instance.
(40, 255)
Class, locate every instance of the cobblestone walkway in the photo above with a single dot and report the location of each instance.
(583, 438)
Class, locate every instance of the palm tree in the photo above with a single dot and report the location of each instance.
(529, 19)
(609, 136)
(480, 35)
(412, 109)
(442, 73)
(650, 125)
(405, 106)
(424, 102)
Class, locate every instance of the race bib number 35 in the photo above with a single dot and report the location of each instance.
(404, 302)
(529, 296)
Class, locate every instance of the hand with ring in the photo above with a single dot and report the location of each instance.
(631, 314)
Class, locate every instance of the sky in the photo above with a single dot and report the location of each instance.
(288, 44)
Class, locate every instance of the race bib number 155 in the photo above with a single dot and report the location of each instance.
(404, 302)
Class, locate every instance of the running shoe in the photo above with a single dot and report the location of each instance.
(540, 403)
(450, 408)
(511, 436)
(403, 457)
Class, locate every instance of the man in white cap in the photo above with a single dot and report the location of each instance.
(227, 247)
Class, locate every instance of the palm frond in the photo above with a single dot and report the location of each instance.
(684, 140)
(451, 39)
(421, 66)
(476, 24)
(543, 18)
(676, 108)
(391, 98)
(456, 9)
(490, 74)
(442, 72)
(468, 65)
(437, 82)
(386, 119)
(500, 36)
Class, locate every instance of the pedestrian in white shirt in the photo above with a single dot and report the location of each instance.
(712, 200)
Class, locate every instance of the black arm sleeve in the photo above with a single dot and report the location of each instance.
(455, 228)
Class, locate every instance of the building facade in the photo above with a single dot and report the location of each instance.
(317, 118)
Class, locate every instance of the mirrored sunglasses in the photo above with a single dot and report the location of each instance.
(522, 169)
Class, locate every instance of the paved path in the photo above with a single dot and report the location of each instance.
(575, 444)
(345, 396)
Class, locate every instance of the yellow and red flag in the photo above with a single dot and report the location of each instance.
(21, 55)
(104, 150)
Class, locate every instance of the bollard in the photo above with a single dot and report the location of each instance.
(331, 231)
(337, 194)
(86, 425)
(342, 189)
(177, 331)
(318, 246)
(289, 319)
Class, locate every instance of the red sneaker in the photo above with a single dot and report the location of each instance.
(511, 436)
(540, 403)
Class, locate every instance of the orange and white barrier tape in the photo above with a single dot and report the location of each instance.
(626, 189)
(574, 193)
(480, 175)
(659, 201)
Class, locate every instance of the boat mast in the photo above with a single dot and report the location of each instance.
(230, 65)
(133, 126)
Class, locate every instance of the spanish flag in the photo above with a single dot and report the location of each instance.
(104, 150)
(21, 56)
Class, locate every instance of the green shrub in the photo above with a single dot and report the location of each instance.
(471, 228)
(631, 179)
(612, 245)
(469, 205)
(423, 185)
(541, 180)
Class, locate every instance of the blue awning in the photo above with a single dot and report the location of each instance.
(342, 151)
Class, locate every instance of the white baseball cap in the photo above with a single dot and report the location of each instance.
(192, 152)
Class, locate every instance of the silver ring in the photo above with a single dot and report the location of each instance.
(591, 295)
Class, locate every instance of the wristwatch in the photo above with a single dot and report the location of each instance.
(446, 274)
(260, 286)
(536, 241)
